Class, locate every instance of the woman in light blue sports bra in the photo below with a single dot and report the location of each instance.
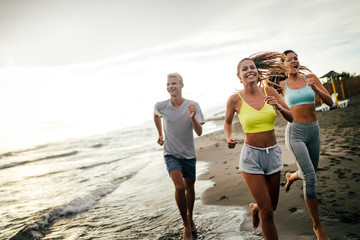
(302, 136)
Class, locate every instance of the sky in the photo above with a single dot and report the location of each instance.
(76, 68)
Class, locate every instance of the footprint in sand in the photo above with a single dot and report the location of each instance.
(293, 209)
(351, 193)
(323, 169)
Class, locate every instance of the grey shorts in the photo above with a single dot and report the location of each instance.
(186, 166)
(264, 161)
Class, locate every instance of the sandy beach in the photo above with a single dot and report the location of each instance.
(338, 177)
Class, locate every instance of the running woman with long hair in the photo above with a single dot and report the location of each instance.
(302, 136)
(260, 159)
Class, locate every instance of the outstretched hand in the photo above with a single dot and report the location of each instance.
(192, 110)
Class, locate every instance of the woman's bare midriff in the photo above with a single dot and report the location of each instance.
(304, 113)
(262, 139)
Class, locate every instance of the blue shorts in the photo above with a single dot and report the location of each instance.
(264, 161)
(186, 166)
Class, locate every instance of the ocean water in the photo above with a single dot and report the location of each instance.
(108, 186)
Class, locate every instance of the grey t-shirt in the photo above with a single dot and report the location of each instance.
(178, 129)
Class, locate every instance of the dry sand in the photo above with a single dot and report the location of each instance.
(338, 177)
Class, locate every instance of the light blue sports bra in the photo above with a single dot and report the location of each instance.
(294, 97)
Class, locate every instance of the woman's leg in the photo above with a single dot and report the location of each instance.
(304, 143)
(297, 141)
(259, 188)
(312, 204)
(290, 177)
(273, 185)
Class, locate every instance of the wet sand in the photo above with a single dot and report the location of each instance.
(338, 177)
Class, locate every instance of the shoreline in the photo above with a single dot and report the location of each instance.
(338, 177)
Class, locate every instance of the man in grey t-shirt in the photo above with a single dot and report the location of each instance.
(180, 117)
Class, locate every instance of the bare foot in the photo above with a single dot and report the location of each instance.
(290, 178)
(187, 235)
(193, 226)
(255, 214)
(320, 234)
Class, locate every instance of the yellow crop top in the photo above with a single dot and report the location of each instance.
(254, 121)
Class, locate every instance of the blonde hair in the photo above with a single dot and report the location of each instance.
(177, 75)
(268, 64)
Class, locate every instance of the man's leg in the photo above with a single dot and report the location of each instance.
(181, 201)
(190, 197)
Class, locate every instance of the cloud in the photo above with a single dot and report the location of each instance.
(108, 62)
(66, 32)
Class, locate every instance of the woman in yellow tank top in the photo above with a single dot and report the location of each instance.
(260, 159)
